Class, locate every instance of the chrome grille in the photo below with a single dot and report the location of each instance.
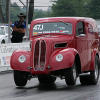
(39, 55)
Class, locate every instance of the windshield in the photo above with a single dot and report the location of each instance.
(2, 32)
(56, 27)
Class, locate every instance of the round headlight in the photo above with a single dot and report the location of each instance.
(59, 57)
(22, 59)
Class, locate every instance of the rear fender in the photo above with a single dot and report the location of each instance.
(92, 64)
(68, 59)
(14, 62)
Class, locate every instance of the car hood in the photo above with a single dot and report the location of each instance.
(54, 38)
(2, 36)
(46, 45)
(53, 41)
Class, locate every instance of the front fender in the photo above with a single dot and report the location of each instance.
(14, 62)
(68, 59)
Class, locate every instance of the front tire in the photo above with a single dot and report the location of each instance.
(70, 75)
(20, 78)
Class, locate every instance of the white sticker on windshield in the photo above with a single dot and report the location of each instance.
(38, 27)
(40, 32)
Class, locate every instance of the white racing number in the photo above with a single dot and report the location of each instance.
(38, 27)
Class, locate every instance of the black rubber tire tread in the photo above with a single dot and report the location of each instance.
(92, 73)
(90, 79)
(46, 79)
(19, 78)
(3, 41)
(69, 77)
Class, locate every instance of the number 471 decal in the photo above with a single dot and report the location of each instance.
(38, 27)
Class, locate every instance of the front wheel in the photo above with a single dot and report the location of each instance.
(70, 75)
(20, 77)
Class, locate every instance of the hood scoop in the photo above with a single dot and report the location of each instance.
(60, 45)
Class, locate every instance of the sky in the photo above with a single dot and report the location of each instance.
(45, 3)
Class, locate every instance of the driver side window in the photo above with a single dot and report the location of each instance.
(80, 28)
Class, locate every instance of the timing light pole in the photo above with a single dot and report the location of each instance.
(27, 19)
(26, 16)
(9, 33)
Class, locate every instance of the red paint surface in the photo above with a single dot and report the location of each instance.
(86, 47)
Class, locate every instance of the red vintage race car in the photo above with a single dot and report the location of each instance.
(65, 47)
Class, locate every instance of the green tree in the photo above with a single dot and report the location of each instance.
(39, 13)
(15, 10)
(4, 6)
(63, 8)
(94, 9)
(69, 8)
(1, 15)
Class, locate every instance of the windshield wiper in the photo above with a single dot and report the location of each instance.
(65, 23)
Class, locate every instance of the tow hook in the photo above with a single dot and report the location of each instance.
(29, 67)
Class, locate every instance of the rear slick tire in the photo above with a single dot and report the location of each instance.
(91, 79)
(94, 75)
(20, 78)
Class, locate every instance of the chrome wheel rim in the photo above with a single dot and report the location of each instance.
(74, 72)
(96, 70)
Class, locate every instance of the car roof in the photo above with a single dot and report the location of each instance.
(87, 19)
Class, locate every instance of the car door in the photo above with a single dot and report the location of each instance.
(81, 44)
